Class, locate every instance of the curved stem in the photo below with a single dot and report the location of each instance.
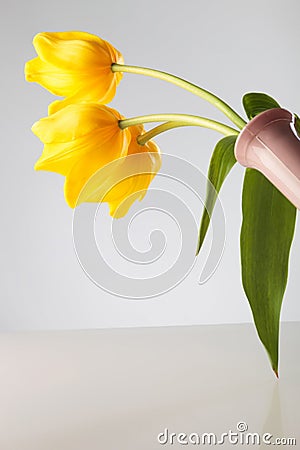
(179, 120)
(193, 88)
(148, 135)
(144, 138)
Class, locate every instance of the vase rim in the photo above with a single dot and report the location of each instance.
(255, 126)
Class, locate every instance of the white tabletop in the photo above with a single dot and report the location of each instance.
(118, 389)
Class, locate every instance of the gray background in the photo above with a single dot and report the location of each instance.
(228, 47)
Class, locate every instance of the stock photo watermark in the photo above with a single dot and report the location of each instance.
(166, 222)
(239, 436)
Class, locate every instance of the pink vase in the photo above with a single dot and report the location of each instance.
(270, 144)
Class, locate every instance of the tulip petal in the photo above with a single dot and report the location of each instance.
(123, 182)
(58, 82)
(77, 120)
(81, 172)
(61, 157)
(138, 170)
(72, 51)
(101, 92)
(133, 188)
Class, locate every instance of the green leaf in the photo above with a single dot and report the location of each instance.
(297, 124)
(266, 237)
(257, 102)
(221, 163)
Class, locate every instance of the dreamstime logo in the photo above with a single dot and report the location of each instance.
(152, 249)
(240, 437)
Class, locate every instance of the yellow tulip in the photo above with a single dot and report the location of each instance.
(85, 132)
(75, 65)
(121, 182)
(101, 162)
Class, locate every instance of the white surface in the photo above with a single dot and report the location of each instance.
(118, 389)
(209, 43)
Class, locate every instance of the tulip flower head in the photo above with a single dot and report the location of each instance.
(75, 65)
(82, 139)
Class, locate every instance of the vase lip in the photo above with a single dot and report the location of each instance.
(255, 126)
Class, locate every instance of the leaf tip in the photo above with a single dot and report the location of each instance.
(199, 245)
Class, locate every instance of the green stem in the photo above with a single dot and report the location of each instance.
(193, 88)
(144, 138)
(178, 120)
